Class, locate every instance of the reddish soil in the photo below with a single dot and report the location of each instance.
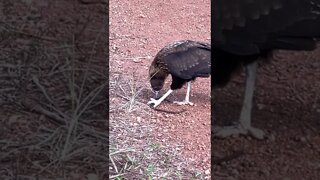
(52, 114)
(286, 102)
(138, 30)
(287, 107)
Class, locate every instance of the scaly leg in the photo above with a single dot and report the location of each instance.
(187, 98)
(157, 102)
(244, 127)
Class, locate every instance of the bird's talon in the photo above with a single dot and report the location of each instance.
(151, 101)
(223, 132)
(154, 102)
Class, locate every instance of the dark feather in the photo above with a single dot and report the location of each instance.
(246, 27)
(245, 30)
(184, 60)
(189, 62)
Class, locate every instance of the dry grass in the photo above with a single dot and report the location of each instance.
(69, 130)
(135, 153)
(53, 102)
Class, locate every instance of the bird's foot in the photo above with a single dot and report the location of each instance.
(223, 132)
(183, 103)
(154, 101)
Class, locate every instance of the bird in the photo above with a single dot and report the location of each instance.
(247, 32)
(184, 60)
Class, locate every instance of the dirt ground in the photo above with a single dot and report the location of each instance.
(47, 49)
(286, 104)
(287, 107)
(138, 30)
(53, 77)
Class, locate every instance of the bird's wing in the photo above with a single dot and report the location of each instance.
(246, 26)
(189, 62)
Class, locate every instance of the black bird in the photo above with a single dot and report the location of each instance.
(185, 60)
(245, 31)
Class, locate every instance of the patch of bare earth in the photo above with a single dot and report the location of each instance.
(287, 107)
(53, 76)
(164, 145)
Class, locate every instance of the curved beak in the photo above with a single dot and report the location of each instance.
(156, 94)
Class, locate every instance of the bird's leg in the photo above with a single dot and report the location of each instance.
(245, 115)
(187, 98)
(157, 102)
(244, 127)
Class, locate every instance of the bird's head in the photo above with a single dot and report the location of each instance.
(157, 79)
(156, 85)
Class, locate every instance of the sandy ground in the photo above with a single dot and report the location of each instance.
(53, 77)
(286, 102)
(287, 107)
(138, 30)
